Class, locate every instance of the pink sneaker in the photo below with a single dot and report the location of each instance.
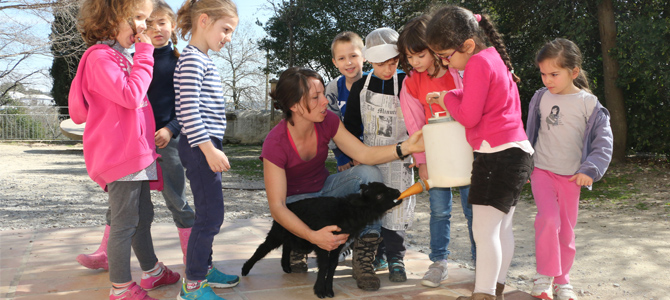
(134, 292)
(167, 277)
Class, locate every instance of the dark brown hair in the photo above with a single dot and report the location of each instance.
(191, 10)
(567, 56)
(452, 25)
(292, 87)
(99, 20)
(161, 8)
(412, 39)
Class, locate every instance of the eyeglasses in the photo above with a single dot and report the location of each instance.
(447, 58)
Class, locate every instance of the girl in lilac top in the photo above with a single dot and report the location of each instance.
(488, 106)
(294, 159)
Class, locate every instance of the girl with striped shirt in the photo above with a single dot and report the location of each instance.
(200, 109)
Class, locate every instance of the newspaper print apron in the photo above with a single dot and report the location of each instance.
(384, 124)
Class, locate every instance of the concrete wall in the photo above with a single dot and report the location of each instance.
(249, 127)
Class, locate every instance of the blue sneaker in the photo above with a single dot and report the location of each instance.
(380, 264)
(217, 279)
(203, 293)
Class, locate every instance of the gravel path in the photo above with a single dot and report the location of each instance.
(622, 252)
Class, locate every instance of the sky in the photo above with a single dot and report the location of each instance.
(248, 10)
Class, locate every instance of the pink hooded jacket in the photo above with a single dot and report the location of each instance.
(119, 133)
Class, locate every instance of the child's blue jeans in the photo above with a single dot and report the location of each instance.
(345, 183)
(208, 201)
(440, 221)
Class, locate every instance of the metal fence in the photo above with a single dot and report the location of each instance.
(38, 122)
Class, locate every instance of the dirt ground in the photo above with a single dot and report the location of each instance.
(623, 234)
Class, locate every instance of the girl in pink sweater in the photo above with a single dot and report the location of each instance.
(109, 94)
(488, 106)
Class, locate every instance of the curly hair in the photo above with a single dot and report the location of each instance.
(452, 25)
(99, 20)
(568, 56)
(191, 9)
(412, 39)
(292, 87)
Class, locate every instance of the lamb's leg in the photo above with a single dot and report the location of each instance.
(321, 286)
(286, 258)
(272, 241)
(333, 261)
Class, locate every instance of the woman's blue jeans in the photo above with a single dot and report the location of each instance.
(440, 221)
(345, 183)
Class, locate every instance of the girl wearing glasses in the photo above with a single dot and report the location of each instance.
(488, 106)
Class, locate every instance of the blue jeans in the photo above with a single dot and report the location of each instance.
(209, 210)
(174, 185)
(440, 221)
(345, 183)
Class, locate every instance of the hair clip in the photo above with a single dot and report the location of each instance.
(193, 2)
(478, 17)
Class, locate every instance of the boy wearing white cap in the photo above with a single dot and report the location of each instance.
(373, 110)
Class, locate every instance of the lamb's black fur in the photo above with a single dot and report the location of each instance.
(350, 213)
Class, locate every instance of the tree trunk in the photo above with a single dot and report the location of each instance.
(613, 94)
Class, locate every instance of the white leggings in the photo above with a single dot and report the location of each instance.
(494, 237)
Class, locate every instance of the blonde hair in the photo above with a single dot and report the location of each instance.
(162, 8)
(191, 10)
(99, 20)
(347, 37)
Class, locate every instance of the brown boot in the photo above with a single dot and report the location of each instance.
(477, 296)
(363, 256)
(499, 291)
(298, 262)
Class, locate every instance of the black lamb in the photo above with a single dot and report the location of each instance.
(351, 213)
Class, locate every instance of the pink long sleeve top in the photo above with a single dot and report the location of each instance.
(488, 105)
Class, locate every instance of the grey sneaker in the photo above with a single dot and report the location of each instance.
(436, 273)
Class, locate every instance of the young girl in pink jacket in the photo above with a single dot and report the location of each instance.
(109, 94)
(489, 108)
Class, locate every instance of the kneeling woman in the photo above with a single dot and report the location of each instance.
(294, 167)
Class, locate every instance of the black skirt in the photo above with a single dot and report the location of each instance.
(498, 178)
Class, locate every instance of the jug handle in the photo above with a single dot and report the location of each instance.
(437, 114)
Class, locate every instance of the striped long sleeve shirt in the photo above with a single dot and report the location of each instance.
(200, 106)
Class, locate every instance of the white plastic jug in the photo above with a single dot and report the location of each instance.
(449, 157)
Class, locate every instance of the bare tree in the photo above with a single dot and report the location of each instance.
(20, 42)
(241, 65)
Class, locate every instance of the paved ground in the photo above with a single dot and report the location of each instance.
(40, 264)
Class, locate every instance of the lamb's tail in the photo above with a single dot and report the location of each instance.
(273, 241)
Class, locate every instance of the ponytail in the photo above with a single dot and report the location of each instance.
(192, 9)
(496, 40)
(567, 55)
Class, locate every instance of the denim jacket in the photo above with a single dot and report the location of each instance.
(598, 140)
